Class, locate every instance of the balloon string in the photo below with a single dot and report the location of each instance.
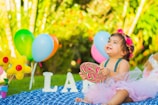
(10, 79)
(32, 66)
(32, 75)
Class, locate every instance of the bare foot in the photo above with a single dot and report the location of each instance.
(78, 99)
(82, 100)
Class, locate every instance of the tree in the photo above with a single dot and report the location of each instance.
(75, 23)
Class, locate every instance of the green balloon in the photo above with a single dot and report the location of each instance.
(23, 40)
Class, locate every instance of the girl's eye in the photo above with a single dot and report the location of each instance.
(115, 42)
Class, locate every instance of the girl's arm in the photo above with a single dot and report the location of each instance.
(104, 70)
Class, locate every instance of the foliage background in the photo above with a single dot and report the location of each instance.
(75, 23)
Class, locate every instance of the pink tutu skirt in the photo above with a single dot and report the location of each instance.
(100, 92)
(141, 89)
(138, 90)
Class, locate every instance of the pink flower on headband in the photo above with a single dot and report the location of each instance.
(129, 41)
(120, 31)
(131, 55)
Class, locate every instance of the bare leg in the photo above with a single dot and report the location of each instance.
(118, 98)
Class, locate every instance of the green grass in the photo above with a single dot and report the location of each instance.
(17, 86)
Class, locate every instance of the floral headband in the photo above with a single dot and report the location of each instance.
(129, 42)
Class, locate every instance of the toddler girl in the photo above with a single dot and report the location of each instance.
(116, 68)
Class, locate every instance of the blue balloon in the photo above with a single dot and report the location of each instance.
(42, 47)
(100, 40)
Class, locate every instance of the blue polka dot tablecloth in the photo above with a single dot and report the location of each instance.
(37, 97)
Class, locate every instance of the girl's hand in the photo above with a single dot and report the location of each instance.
(105, 71)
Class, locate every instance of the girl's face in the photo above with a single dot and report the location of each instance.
(113, 47)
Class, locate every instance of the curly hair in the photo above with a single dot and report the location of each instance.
(127, 44)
